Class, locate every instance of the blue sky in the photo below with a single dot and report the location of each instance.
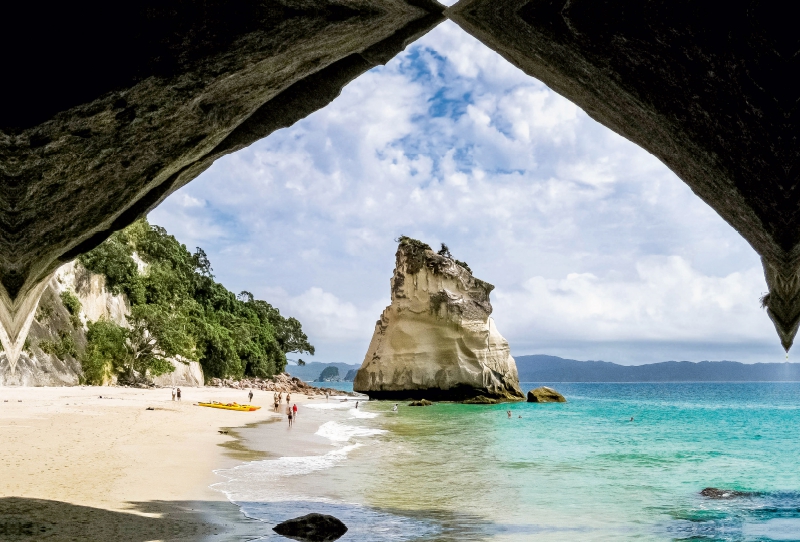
(596, 249)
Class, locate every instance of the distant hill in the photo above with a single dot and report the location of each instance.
(311, 371)
(540, 368)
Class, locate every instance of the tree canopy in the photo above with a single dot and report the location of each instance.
(178, 309)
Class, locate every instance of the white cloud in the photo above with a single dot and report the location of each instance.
(668, 300)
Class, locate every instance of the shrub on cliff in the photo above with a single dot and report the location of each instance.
(178, 307)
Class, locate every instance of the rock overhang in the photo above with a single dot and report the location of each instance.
(115, 106)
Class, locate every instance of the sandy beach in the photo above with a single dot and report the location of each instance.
(94, 463)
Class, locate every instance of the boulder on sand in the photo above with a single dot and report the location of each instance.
(544, 394)
(312, 528)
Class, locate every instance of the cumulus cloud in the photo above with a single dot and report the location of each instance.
(589, 239)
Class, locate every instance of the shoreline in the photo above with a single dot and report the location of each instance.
(75, 464)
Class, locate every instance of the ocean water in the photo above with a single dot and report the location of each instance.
(576, 471)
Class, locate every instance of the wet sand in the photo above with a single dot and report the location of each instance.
(77, 466)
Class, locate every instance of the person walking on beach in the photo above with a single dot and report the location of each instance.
(288, 396)
(326, 395)
(294, 411)
(290, 417)
(356, 404)
(250, 396)
(179, 394)
(394, 408)
(173, 394)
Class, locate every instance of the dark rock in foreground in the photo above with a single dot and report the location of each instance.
(312, 528)
(421, 402)
(716, 493)
(545, 395)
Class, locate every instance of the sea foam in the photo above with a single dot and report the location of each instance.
(340, 432)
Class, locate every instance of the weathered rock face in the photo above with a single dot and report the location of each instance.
(132, 101)
(437, 339)
(703, 89)
(544, 394)
(39, 366)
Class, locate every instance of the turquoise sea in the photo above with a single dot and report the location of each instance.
(576, 471)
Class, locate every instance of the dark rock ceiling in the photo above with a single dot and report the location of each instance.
(111, 107)
(707, 88)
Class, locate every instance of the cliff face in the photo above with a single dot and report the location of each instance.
(48, 359)
(437, 339)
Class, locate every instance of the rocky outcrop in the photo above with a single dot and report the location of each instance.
(544, 394)
(188, 374)
(724, 494)
(704, 91)
(437, 339)
(157, 91)
(283, 382)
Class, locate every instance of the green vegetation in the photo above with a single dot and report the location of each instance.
(73, 306)
(65, 345)
(445, 251)
(177, 309)
(415, 253)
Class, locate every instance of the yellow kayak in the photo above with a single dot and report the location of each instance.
(231, 406)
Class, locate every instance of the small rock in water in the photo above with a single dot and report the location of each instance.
(312, 528)
(545, 395)
(716, 493)
(421, 402)
(481, 400)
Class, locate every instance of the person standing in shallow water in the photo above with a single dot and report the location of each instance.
(288, 396)
(289, 414)
(294, 411)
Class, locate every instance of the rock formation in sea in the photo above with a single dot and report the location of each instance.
(437, 339)
(544, 394)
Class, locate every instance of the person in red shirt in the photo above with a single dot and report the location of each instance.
(294, 411)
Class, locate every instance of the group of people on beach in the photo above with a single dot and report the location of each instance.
(291, 411)
(278, 399)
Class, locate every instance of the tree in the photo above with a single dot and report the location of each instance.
(178, 309)
(301, 363)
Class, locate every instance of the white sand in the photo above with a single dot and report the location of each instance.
(71, 446)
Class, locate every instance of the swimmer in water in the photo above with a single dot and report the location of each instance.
(631, 418)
